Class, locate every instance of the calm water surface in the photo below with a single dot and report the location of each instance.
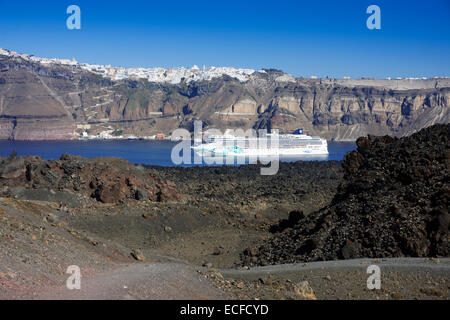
(135, 151)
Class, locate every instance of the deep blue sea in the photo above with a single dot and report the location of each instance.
(136, 151)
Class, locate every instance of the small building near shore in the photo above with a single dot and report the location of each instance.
(160, 136)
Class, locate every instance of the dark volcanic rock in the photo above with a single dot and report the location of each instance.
(12, 169)
(303, 185)
(393, 202)
(141, 195)
(71, 179)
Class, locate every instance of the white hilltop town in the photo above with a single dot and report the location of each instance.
(162, 75)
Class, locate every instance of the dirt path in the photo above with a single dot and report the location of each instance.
(406, 278)
(149, 281)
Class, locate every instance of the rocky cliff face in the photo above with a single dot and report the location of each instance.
(39, 102)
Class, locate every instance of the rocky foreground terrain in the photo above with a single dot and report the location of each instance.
(54, 101)
(393, 202)
(106, 214)
(75, 181)
(140, 232)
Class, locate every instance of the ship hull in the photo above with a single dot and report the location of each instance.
(259, 152)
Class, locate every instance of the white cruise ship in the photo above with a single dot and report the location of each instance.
(273, 145)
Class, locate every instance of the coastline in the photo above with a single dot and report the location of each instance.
(149, 152)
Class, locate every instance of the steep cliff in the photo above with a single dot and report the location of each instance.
(40, 102)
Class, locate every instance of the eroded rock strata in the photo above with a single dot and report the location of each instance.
(44, 102)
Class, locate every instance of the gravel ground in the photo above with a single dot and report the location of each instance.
(403, 278)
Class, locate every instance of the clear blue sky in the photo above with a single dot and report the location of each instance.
(304, 38)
